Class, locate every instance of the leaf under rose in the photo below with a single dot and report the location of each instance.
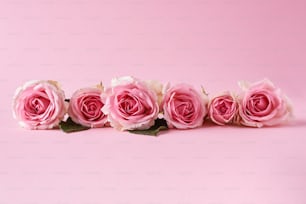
(160, 125)
(69, 126)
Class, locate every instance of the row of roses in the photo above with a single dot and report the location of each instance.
(133, 104)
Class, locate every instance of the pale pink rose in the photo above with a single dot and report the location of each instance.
(39, 105)
(157, 87)
(262, 104)
(85, 107)
(223, 109)
(184, 107)
(130, 104)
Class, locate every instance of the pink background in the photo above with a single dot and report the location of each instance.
(211, 43)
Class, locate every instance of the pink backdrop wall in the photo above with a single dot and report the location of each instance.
(202, 42)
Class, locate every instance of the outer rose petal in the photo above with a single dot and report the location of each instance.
(157, 87)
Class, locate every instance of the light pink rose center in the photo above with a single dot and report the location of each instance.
(91, 108)
(130, 105)
(224, 106)
(37, 104)
(183, 108)
(259, 105)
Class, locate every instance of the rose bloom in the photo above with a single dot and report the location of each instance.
(157, 87)
(130, 104)
(223, 109)
(262, 104)
(39, 105)
(184, 107)
(85, 107)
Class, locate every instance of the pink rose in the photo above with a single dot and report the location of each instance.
(184, 107)
(85, 107)
(157, 87)
(223, 109)
(39, 105)
(130, 104)
(262, 104)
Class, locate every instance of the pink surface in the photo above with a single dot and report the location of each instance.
(201, 42)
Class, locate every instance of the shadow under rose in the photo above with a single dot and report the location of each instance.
(297, 123)
(293, 123)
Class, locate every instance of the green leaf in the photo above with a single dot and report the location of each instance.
(160, 124)
(69, 126)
